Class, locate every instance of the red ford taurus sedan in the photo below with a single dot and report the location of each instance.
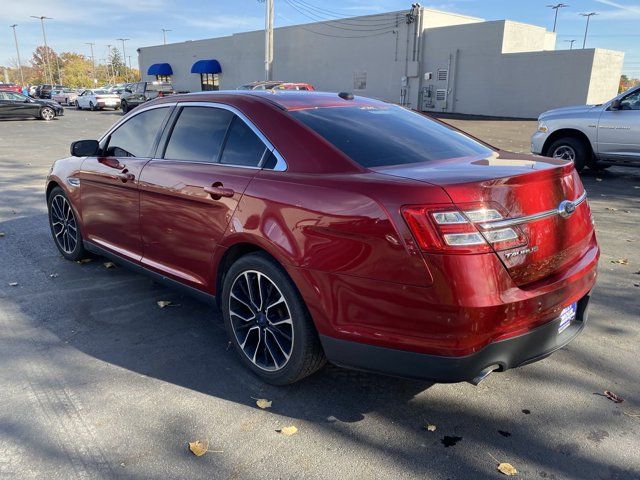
(339, 228)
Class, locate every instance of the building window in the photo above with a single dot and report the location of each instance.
(360, 80)
(442, 74)
(441, 95)
(163, 78)
(209, 81)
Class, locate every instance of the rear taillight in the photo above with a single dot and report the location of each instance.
(456, 229)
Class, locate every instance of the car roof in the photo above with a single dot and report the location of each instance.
(285, 99)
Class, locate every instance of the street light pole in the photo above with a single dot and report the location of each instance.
(46, 48)
(15, 37)
(586, 29)
(268, 40)
(556, 7)
(93, 62)
(124, 57)
(164, 35)
(570, 44)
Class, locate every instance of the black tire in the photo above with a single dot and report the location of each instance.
(71, 251)
(92, 107)
(567, 147)
(305, 352)
(124, 107)
(78, 106)
(47, 113)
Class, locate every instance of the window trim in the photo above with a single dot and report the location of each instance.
(281, 164)
(154, 148)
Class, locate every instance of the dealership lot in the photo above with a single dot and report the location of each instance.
(99, 382)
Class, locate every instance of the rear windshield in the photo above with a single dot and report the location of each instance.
(159, 87)
(377, 136)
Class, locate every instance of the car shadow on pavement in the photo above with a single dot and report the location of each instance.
(111, 315)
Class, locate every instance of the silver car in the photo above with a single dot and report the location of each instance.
(592, 135)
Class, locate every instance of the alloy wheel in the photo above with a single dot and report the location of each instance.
(63, 223)
(565, 152)
(261, 320)
(47, 114)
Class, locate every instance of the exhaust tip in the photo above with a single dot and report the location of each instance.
(484, 373)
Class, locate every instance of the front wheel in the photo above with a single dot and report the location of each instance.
(125, 107)
(268, 322)
(64, 226)
(91, 106)
(569, 148)
(78, 105)
(47, 114)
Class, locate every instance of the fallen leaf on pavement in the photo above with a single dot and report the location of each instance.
(621, 261)
(13, 284)
(53, 275)
(263, 403)
(613, 397)
(1, 234)
(611, 209)
(109, 265)
(507, 469)
(199, 447)
(598, 179)
(430, 428)
(163, 303)
(288, 431)
(83, 260)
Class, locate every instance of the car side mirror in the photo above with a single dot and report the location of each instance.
(615, 105)
(85, 148)
(128, 90)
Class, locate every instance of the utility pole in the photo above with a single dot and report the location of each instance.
(268, 41)
(586, 29)
(164, 35)
(556, 7)
(15, 37)
(47, 65)
(93, 63)
(570, 44)
(124, 57)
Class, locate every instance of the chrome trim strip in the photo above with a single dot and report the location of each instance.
(510, 222)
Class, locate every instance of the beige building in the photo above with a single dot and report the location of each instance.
(422, 58)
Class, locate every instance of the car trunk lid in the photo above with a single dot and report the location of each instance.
(542, 199)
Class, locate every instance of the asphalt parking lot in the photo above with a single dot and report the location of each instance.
(99, 382)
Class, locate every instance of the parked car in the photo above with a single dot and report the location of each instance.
(277, 85)
(10, 87)
(592, 135)
(97, 100)
(44, 91)
(329, 226)
(66, 96)
(17, 105)
(136, 94)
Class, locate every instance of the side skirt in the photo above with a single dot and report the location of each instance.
(193, 292)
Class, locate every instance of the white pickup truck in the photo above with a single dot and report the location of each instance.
(592, 135)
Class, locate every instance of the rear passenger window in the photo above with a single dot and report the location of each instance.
(136, 137)
(243, 147)
(198, 134)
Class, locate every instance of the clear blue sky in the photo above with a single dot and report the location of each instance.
(102, 21)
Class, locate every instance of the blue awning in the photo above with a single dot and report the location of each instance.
(160, 69)
(206, 66)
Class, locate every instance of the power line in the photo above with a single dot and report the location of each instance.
(339, 17)
(303, 27)
(329, 23)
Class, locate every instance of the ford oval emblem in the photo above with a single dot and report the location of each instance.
(566, 208)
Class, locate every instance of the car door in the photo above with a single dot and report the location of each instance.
(619, 130)
(109, 183)
(17, 105)
(189, 194)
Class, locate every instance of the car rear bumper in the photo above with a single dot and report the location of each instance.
(499, 355)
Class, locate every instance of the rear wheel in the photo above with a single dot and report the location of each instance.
(125, 107)
(47, 114)
(64, 226)
(570, 148)
(78, 105)
(91, 106)
(268, 322)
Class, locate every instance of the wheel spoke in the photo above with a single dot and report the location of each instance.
(247, 336)
(255, 352)
(285, 354)
(244, 319)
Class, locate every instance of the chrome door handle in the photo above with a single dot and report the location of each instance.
(125, 176)
(218, 191)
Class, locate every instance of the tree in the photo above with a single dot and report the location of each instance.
(46, 62)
